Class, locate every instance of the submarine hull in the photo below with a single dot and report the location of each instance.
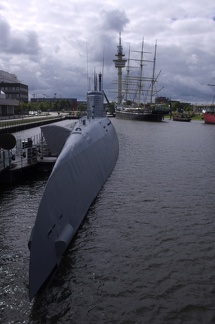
(83, 166)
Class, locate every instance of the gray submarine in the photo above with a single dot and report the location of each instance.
(85, 162)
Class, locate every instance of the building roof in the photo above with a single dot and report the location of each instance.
(8, 77)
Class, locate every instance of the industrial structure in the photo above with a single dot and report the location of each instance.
(119, 64)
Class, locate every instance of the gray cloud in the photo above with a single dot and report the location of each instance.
(17, 42)
(48, 44)
(114, 20)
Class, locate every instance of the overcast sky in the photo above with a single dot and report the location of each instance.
(47, 44)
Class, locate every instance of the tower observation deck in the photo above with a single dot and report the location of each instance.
(119, 64)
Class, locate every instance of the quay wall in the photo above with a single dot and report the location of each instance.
(19, 127)
(25, 158)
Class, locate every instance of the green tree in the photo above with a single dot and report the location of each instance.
(82, 107)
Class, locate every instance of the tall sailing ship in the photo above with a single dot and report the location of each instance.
(137, 86)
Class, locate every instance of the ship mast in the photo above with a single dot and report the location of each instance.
(119, 64)
(135, 83)
(127, 77)
(137, 80)
(212, 85)
(153, 73)
(141, 76)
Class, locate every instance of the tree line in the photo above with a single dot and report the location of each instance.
(58, 105)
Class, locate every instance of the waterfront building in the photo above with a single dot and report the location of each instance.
(7, 105)
(12, 87)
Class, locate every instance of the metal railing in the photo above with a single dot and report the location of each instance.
(14, 122)
(25, 153)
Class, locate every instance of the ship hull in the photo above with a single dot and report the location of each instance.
(139, 116)
(83, 166)
(209, 117)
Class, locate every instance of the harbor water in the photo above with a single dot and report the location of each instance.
(146, 250)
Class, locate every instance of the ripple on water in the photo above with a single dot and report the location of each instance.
(145, 253)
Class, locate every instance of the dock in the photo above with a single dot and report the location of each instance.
(29, 154)
(16, 125)
(23, 161)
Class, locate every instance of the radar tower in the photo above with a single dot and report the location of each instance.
(119, 64)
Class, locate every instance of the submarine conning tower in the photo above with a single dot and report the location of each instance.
(95, 100)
